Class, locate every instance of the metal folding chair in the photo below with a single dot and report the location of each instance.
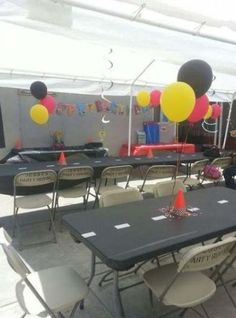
(109, 178)
(116, 197)
(170, 187)
(172, 283)
(49, 291)
(81, 174)
(157, 172)
(193, 176)
(32, 180)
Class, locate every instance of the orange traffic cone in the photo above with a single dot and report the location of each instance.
(62, 159)
(18, 144)
(179, 202)
(179, 206)
(150, 154)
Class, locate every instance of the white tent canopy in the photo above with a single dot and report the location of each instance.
(89, 46)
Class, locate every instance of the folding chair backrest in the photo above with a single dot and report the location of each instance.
(170, 187)
(222, 162)
(116, 172)
(4, 237)
(161, 171)
(116, 197)
(75, 173)
(198, 166)
(35, 178)
(15, 261)
(204, 257)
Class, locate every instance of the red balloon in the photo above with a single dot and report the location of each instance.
(49, 102)
(155, 97)
(200, 109)
(216, 111)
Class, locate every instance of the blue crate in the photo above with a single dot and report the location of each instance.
(152, 131)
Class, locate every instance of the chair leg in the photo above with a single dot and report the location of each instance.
(85, 202)
(150, 297)
(95, 201)
(18, 233)
(54, 213)
(14, 227)
(74, 309)
(56, 205)
(229, 295)
(183, 312)
(86, 197)
(103, 279)
(15, 221)
(52, 224)
(204, 310)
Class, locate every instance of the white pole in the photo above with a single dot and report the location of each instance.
(131, 103)
(228, 120)
(220, 128)
(216, 130)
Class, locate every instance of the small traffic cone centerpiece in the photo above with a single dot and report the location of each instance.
(62, 159)
(18, 144)
(150, 153)
(179, 205)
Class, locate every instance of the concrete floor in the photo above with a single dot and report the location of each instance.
(67, 252)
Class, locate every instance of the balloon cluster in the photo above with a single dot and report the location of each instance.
(39, 113)
(186, 98)
(145, 99)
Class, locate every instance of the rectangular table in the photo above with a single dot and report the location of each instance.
(50, 155)
(143, 237)
(142, 150)
(8, 171)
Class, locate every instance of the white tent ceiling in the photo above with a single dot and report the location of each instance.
(82, 46)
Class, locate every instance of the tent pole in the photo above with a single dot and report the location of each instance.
(137, 19)
(131, 103)
(215, 134)
(220, 128)
(228, 120)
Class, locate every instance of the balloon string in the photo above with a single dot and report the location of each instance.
(178, 162)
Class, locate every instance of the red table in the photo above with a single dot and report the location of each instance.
(143, 150)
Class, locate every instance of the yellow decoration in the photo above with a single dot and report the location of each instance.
(208, 113)
(39, 114)
(143, 99)
(177, 101)
(102, 134)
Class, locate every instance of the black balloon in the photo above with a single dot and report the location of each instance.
(38, 89)
(198, 74)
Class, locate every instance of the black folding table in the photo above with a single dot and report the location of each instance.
(123, 235)
(8, 171)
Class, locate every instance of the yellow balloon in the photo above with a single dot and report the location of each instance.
(39, 114)
(208, 113)
(177, 101)
(143, 99)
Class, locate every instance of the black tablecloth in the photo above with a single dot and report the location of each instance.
(8, 171)
(146, 238)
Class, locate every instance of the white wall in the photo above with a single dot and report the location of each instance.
(77, 129)
(10, 114)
